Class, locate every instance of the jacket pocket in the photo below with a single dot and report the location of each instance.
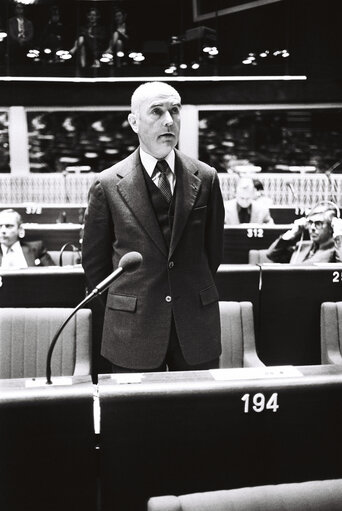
(209, 295)
(122, 302)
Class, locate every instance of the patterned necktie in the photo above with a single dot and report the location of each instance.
(163, 182)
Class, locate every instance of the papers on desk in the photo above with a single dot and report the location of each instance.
(41, 382)
(253, 373)
(127, 377)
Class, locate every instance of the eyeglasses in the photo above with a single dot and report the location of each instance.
(318, 223)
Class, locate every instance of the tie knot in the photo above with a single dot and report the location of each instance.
(162, 166)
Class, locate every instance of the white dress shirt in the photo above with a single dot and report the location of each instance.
(13, 257)
(149, 162)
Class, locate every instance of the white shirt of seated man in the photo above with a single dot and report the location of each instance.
(13, 257)
(11, 231)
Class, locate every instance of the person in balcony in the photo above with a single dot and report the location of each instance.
(90, 43)
(119, 38)
(20, 36)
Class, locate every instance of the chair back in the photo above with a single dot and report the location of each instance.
(258, 256)
(331, 333)
(237, 335)
(25, 337)
(69, 257)
(307, 496)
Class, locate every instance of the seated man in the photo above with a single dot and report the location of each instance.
(325, 231)
(14, 253)
(244, 208)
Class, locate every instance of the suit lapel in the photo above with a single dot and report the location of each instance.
(187, 188)
(28, 254)
(132, 189)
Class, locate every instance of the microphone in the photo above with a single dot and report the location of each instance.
(128, 263)
(290, 187)
(68, 244)
(332, 183)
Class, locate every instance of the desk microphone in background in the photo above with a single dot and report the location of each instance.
(298, 210)
(332, 183)
(128, 263)
(74, 249)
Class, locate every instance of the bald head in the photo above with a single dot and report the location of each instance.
(150, 90)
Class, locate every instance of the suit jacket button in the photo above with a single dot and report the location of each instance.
(171, 264)
(168, 298)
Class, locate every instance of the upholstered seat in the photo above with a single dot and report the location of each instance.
(237, 335)
(258, 256)
(307, 496)
(68, 257)
(331, 333)
(25, 336)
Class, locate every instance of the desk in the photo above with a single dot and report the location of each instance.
(287, 215)
(32, 212)
(177, 433)
(289, 310)
(48, 457)
(239, 240)
(53, 235)
(46, 286)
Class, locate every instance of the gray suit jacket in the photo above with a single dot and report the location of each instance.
(291, 251)
(260, 213)
(119, 219)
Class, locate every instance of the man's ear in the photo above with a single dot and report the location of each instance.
(21, 232)
(132, 119)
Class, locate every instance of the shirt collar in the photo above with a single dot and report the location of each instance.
(16, 247)
(149, 161)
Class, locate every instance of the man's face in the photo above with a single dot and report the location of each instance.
(157, 123)
(244, 197)
(9, 229)
(319, 228)
(19, 9)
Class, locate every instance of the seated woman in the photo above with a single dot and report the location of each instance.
(119, 38)
(89, 44)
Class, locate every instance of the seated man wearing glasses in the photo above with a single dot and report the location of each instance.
(324, 246)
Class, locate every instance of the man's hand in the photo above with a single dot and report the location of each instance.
(297, 228)
(336, 225)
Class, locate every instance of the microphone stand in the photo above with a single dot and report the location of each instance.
(57, 334)
(74, 249)
(129, 262)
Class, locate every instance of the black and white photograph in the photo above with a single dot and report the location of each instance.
(170, 255)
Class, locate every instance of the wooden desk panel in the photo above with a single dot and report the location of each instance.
(177, 433)
(54, 236)
(47, 443)
(289, 311)
(238, 240)
(47, 213)
(51, 286)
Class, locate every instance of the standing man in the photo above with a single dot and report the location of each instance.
(169, 207)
